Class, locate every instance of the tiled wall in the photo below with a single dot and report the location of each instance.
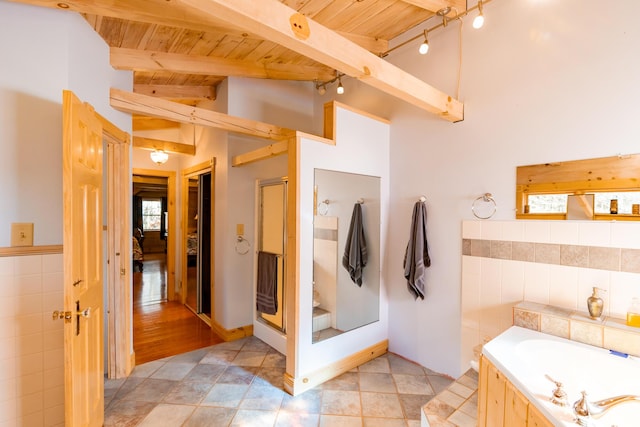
(547, 262)
(31, 343)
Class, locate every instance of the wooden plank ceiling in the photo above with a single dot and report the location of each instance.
(182, 49)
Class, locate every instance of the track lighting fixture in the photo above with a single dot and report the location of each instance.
(478, 21)
(424, 47)
(340, 88)
(321, 89)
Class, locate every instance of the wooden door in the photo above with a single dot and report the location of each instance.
(82, 237)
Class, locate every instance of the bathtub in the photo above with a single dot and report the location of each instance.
(525, 357)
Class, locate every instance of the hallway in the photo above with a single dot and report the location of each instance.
(163, 328)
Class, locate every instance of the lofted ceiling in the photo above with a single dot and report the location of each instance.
(181, 50)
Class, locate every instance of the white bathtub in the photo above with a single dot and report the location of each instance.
(525, 356)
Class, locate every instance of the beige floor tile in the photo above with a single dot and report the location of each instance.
(249, 358)
(383, 422)
(412, 384)
(297, 419)
(340, 421)
(265, 398)
(381, 405)
(166, 415)
(225, 395)
(340, 402)
(253, 418)
(210, 417)
(378, 365)
(382, 383)
(462, 420)
(188, 393)
(173, 371)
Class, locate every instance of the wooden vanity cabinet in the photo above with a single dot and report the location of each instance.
(500, 404)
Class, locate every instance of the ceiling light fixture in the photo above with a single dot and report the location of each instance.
(478, 21)
(443, 13)
(159, 156)
(424, 47)
(340, 88)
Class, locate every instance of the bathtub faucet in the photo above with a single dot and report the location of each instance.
(585, 410)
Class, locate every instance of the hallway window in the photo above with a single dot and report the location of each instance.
(151, 214)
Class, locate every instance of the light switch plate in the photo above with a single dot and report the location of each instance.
(240, 229)
(21, 234)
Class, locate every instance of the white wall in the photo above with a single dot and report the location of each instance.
(362, 146)
(43, 52)
(42, 55)
(540, 83)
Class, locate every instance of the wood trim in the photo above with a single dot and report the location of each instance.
(117, 135)
(278, 22)
(295, 386)
(136, 103)
(173, 224)
(176, 92)
(360, 112)
(434, 5)
(231, 334)
(315, 138)
(200, 167)
(292, 269)
(271, 150)
(30, 250)
(153, 61)
(168, 146)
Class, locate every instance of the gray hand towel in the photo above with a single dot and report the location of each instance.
(355, 250)
(416, 257)
(267, 286)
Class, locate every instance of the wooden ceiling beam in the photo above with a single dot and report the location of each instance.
(143, 60)
(271, 150)
(373, 45)
(457, 6)
(141, 123)
(177, 92)
(135, 103)
(168, 146)
(277, 22)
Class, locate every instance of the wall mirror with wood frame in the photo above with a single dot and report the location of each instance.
(605, 188)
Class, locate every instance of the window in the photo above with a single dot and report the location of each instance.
(151, 214)
(557, 203)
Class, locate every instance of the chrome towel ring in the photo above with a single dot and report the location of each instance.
(484, 206)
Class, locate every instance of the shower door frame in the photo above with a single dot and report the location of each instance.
(284, 181)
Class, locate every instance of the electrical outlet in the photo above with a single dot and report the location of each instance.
(21, 234)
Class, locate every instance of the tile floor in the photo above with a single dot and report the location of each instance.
(239, 383)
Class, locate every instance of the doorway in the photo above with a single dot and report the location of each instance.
(198, 248)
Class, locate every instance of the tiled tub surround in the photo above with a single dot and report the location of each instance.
(546, 262)
(609, 333)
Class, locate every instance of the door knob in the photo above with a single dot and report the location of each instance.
(59, 315)
(85, 313)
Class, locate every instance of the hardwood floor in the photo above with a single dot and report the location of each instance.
(163, 328)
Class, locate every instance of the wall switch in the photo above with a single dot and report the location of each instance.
(240, 229)
(21, 234)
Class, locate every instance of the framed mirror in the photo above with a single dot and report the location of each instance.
(340, 303)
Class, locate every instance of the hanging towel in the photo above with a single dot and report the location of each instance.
(267, 286)
(355, 250)
(416, 257)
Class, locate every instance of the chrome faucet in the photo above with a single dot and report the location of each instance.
(585, 410)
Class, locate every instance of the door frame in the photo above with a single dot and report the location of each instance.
(200, 168)
(120, 355)
(171, 226)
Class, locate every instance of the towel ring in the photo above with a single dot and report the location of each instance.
(484, 206)
(323, 207)
(242, 245)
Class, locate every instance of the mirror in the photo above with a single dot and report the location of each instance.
(603, 179)
(339, 303)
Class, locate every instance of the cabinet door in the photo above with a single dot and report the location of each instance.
(536, 419)
(515, 407)
(495, 396)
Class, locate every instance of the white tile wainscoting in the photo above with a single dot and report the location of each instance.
(31, 343)
(546, 262)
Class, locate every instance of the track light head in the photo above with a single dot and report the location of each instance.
(340, 88)
(322, 89)
(424, 47)
(478, 21)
